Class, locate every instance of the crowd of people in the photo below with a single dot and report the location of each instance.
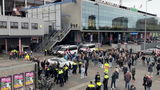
(118, 59)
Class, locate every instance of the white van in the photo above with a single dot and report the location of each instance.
(88, 47)
(68, 49)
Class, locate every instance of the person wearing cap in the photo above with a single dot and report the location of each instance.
(91, 86)
(105, 81)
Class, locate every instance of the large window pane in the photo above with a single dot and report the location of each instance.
(14, 25)
(34, 26)
(24, 25)
(3, 24)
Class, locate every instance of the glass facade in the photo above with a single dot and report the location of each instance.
(104, 17)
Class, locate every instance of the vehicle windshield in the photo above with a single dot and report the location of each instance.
(56, 48)
(91, 46)
(63, 49)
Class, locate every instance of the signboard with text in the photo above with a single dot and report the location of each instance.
(6, 83)
(18, 80)
(29, 78)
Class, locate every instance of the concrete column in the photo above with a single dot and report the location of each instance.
(3, 7)
(111, 38)
(25, 2)
(6, 46)
(20, 45)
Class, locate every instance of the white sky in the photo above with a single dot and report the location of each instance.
(152, 6)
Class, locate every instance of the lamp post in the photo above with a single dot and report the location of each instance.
(98, 26)
(145, 32)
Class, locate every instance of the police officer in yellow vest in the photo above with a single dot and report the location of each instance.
(65, 68)
(74, 68)
(60, 77)
(91, 86)
(97, 77)
(105, 81)
(106, 67)
(45, 52)
(98, 85)
(27, 57)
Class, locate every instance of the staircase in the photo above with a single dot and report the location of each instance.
(50, 40)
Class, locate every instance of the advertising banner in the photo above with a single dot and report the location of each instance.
(18, 80)
(6, 83)
(29, 78)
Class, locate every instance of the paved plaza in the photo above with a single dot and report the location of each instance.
(75, 83)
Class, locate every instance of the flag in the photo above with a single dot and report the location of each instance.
(140, 6)
(134, 6)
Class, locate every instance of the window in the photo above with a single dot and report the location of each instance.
(24, 25)
(14, 25)
(3, 24)
(34, 25)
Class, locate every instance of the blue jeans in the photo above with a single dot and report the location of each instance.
(148, 88)
(127, 85)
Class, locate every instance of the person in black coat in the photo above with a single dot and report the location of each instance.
(145, 81)
(158, 68)
(114, 77)
(149, 83)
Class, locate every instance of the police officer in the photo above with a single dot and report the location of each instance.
(60, 77)
(55, 72)
(105, 81)
(45, 52)
(98, 85)
(97, 77)
(74, 68)
(91, 86)
(65, 73)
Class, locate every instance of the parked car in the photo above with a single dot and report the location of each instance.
(158, 46)
(56, 49)
(88, 47)
(61, 61)
(149, 51)
(67, 49)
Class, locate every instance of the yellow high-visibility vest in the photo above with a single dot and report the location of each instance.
(91, 85)
(60, 72)
(65, 68)
(106, 76)
(99, 84)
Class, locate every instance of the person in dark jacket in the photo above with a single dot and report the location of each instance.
(149, 83)
(150, 69)
(125, 69)
(132, 87)
(114, 77)
(158, 68)
(133, 71)
(145, 81)
(127, 78)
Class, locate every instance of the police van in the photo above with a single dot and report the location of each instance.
(71, 49)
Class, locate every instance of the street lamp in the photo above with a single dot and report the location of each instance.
(98, 26)
(145, 33)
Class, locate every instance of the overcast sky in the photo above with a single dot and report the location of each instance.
(152, 6)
